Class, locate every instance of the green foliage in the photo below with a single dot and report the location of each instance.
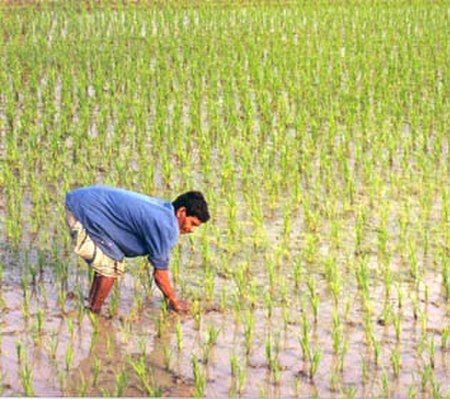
(318, 131)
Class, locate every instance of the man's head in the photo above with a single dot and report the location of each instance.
(191, 210)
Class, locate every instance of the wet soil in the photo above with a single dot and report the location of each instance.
(44, 326)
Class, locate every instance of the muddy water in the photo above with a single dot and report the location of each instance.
(71, 354)
(112, 358)
(66, 328)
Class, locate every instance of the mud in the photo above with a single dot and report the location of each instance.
(142, 335)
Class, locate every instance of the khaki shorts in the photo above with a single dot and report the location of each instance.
(90, 252)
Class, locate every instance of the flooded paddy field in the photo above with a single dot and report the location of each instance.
(319, 134)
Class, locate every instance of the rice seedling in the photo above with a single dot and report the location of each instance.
(39, 326)
(313, 297)
(240, 280)
(109, 347)
(26, 304)
(70, 328)
(168, 355)
(212, 334)
(436, 390)
(95, 334)
(26, 379)
(160, 326)
(286, 315)
(114, 302)
(427, 378)
(144, 375)
(396, 362)
(268, 300)
(334, 380)
(400, 295)
(209, 283)
(364, 372)
(314, 362)
(234, 364)
(83, 386)
(1, 383)
(423, 319)
(342, 353)
(385, 385)
(199, 377)
(249, 326)
(297, 272)
(69, 356)
(350, 392)
(121, 383)
(197, 314)
(412, 392)
(62, 379)
(251, 293)
(25, 373)
(179, 335)
(238, 374)
(242, 377)
(397, 323)
(376, 349)
(95, 369)
(19, 352)
(432, 352)
(305, 339)
(337, 332)
(445, 334)
(1, 272)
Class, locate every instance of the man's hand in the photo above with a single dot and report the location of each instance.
(162, 280)
(180, 306)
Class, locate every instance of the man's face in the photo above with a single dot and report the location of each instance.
(187, 223)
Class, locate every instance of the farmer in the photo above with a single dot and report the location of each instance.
(108, 224)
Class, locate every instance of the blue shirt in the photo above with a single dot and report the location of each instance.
(126, 224)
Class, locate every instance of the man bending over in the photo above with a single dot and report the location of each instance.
(109, 224)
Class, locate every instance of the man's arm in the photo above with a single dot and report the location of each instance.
(162, 280)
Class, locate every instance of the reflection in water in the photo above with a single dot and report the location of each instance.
(110, 371)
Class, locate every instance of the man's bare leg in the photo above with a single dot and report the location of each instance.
(100, 289)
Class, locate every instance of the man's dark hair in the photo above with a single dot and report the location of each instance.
(195, 205)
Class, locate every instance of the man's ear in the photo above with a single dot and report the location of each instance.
(181, 212)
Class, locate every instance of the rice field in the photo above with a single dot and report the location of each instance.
(319, 133)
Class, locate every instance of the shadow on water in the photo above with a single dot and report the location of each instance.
(109, 370)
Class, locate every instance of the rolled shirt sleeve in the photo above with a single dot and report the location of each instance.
(159, 262)
(159, 244)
